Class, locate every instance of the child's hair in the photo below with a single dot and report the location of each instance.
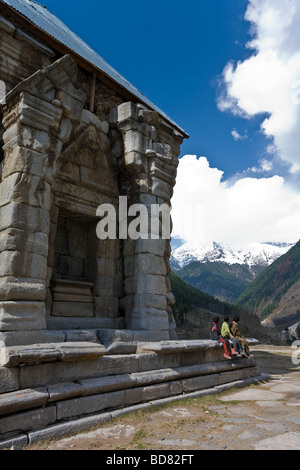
(216, 319)
(236, 318)
(226, 318)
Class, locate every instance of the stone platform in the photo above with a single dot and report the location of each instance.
(50, 390)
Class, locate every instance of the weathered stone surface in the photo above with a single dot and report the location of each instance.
(106, 306)
(72, 309)
(23, 160)
(63, 371)
(123, 112)
(72, 323)
(89, 336)
(150, 264)
(149, 303)
(200, 383)
(140, 394)
(22, 315)
(18, 338)
(104, 286)
(63, 391)
(22, 289)
(27, 265)
(20, 441)
(39, 353)
(19, 240)
(120, 347)
(165, 347)
(151, 318)
(24, 217)
(22, 399)
(90, 404)
(9, 379)
(81, 351)
(27, 421)
(155, 376)
(71, 287)
(106, 384)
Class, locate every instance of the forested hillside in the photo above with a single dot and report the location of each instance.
(223, 281)
(276, 291)
(194, 311)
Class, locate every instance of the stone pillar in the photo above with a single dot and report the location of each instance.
(38, 119)
(150, 163)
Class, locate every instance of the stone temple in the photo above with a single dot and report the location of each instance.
(86, 324)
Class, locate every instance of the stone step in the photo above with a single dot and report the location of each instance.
(38, 353)
(28, 409)
(168, 347)
(35, 427)
(37, 365)
(31, 397)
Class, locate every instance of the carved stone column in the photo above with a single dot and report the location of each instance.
(38, 118)
(151, 149)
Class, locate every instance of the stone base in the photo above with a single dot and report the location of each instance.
(22, 315)
(42, 387)
(111, 338)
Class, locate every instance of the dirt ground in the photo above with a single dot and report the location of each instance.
(263, 416)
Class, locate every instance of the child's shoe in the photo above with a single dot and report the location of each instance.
(227, 356)
(233, 352)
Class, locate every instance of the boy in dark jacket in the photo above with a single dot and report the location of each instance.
(238, 335)
(215, 335)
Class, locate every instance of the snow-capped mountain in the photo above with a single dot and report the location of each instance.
(221, 270)
(262, 254)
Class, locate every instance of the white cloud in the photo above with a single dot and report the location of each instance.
(236, 136)
(265, 166)
(206, 208)
(269, 80)
(256, 205)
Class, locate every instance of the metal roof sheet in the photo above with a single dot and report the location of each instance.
(54, 27)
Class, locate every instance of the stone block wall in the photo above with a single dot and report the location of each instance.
(61, 158)
(56, 389)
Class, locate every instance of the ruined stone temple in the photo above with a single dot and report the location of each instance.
(86, 324)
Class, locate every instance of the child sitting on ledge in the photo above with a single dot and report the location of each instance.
(226, 334)
(238, 335)
(215, 335)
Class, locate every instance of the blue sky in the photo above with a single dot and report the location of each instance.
(173, 52)
(228, 72)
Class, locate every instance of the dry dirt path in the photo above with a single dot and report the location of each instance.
(260, 417)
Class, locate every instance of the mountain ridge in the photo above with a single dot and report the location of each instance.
(194, 311)
(254, 253)
(275, 294)
(221, 270)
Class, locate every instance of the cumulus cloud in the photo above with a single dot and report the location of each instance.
(236, 136)
(268, 82)
(256, 205)
(206, 208)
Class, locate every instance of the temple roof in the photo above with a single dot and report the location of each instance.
(53, 27)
